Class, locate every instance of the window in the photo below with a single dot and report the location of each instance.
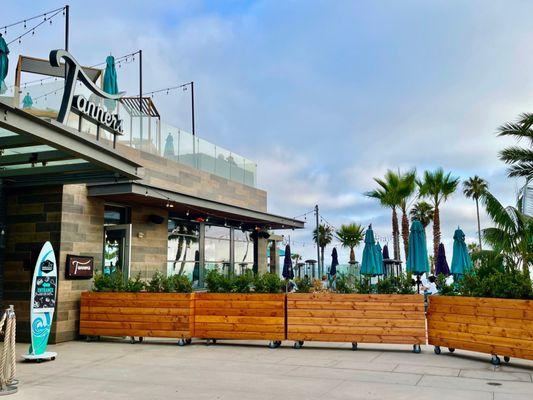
(116, 215)
(244, 251)
(183, 249)
(217, 248)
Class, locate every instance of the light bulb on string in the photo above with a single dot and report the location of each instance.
(24, 24)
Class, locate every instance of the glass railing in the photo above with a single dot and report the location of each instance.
(144, 132)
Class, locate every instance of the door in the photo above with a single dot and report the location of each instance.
(117, 249)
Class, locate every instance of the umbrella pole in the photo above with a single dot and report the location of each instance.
(418, 283)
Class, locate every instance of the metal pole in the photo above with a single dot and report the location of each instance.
(317, 244)
(141, 97)
(192, 108)
(67, 21)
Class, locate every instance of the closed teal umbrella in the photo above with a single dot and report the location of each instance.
(27, 101)
(461, 261)
(417, 258)
(4, 64)
(370, 262)
(380, 259)
(110, 81)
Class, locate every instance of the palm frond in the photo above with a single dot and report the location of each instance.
(497, 212)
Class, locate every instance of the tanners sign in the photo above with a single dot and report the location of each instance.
(79, 267)
(92, 111)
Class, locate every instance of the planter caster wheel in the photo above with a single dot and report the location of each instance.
(210, 342)
(416, 349)
(188, 341)
(451, 349)
(181, 342)
(298, 344)
(274, 344)
(52, 358)
(132, 340)
(436, 349)
(506, 359)
(141, 339)
(354, 346)
(495, 360)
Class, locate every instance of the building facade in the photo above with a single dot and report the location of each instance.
(150, 199)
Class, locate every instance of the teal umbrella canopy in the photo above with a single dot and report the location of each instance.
(370, 262)
(461, 261)
(4, 64)
(380, 259)
(110, 81)
(27, 101)
(417, 258)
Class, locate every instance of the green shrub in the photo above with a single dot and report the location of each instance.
(510, 284)
(345, 283)
(109, 282)
(387, 285)
(218, 283)
(445, 289)
(269, 283)
(303, 285)
(134, 285)
(243, 283)
(404, 284)
(363, 286)
(180, 284)
(158, 283)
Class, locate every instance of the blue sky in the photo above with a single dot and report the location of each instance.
(325, 95)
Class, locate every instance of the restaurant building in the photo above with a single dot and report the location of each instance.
(103, 178)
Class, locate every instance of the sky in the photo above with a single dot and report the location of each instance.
(324, 95)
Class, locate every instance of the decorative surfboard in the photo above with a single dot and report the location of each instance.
(43, 302)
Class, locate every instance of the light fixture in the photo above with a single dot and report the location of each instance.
(187, 213)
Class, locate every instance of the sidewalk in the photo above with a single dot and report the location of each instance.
(161, 370)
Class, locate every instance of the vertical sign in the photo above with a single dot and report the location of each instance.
(43, 302)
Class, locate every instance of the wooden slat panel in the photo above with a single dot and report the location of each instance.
(239, 316)
(137, 314)
(356, 318)
(495, 326)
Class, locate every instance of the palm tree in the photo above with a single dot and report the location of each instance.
(351, 236)
(520, 159)
(185, 234)
(511, 237)
(422, 211)
(407, 188)
(437, 186)
(322, 239)
(389, 195)
(473, 188)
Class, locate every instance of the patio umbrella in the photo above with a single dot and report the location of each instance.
(288, 272)
(441, 266)
(417, 255)
(334, 262)
(196, 270)
(110, 81)
(169, 146)
(4, 64)
(380, 259)
(461, 262)
(386, 252)
(27, 101)
(369, 264)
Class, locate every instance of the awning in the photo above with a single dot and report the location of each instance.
(191, 207)
(36, 151)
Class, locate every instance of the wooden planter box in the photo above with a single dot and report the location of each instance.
(240, 316)
(356, 318)
(168, 315)
(494, 326)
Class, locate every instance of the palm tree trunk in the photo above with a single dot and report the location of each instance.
(182, 266)
(352, 256)
(178, 252)
(478, 224)
(436, 231)
(321, 272)
(395, 234)
(405, 232)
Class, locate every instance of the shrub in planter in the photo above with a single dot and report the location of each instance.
(243, 283)
(108, 282)
(345, 284)
(181, 284)
(510, 284)
(269, 283)
(135, 285)
(217, 282)
(303, 285)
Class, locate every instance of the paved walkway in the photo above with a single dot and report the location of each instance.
(162, 370)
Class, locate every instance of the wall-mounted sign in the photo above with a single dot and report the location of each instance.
(97, 114)
(79, 267)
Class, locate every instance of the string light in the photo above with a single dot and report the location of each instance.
(32, 29)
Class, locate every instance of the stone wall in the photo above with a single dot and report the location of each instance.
(33, 217)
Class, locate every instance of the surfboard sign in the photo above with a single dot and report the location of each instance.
(43, 302)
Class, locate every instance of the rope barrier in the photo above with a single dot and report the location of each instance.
(8, 364)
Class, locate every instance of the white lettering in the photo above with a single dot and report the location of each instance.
(99, 114)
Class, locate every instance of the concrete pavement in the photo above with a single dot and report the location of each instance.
(159, 369)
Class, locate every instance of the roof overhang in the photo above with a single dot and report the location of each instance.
(36, 151)
(191, 207)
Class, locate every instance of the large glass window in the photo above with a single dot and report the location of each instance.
(244, 251)
(184, 249)
(217, 248)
